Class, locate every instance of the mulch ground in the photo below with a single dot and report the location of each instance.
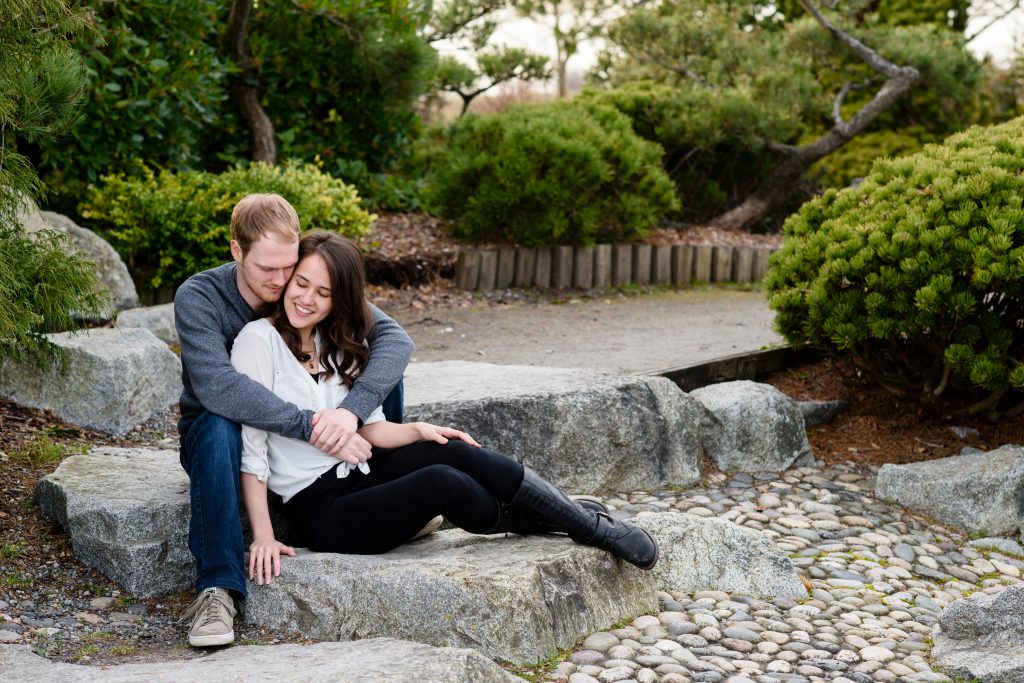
(878, 427)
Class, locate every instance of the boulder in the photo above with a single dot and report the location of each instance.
(157, 319)
(820, 412)
(114, 380)
(517, 599)
(989, 501)
(710, 553)
(380, 660)
(583, 430)
(126, 511)
(110, 268)
(982, 637)
(752, 427)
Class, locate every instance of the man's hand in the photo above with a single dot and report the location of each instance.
(334, 432)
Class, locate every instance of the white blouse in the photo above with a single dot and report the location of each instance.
(286, 465)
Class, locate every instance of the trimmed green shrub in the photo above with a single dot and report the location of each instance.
(550, 174)
(918, 274)
(714, 140)
(171, 225)
(42, 282)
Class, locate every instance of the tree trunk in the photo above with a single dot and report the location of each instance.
(244, 92)
(774, 188)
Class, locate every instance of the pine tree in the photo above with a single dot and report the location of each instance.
(41, 81)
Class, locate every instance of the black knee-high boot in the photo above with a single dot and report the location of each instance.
(510, 522)
(541, 501)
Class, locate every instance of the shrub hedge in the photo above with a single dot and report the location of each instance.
(918, 273)
(550, 174)
(171, 225)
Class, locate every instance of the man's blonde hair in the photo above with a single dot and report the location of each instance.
(262, 214)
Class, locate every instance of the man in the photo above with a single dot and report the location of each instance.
(210, 308)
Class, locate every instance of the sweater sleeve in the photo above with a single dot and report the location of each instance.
(390, 351)
(217, 385)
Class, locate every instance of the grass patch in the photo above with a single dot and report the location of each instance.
(11, 550)
(43, 450)
(16, 580)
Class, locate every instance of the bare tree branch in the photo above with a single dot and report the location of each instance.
(837, 106)
(781, 147)
(1004, 11)
(899, 79)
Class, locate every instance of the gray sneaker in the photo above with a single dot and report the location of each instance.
(212, 614)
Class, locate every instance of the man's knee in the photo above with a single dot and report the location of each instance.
(213, 441)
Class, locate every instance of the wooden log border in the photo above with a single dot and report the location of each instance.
(603, 265)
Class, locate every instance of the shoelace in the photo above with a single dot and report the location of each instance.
(204, 610)
(209, 612)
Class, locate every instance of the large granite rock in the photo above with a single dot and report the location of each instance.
(583, 430)
(513, 598)
(126, 511)
(115, 379)
(381, 660)
(110, 268)
(710, 553)
(157, 319)
(982, 493)
(981, 638)
(752, 427)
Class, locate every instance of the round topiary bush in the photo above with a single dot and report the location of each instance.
(918, 274)
(170, 225)
(550, 174)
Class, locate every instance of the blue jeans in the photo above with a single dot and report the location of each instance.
(211, 454)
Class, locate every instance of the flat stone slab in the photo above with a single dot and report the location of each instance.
(982, 637)
(381, 660)
(752, 427)
(126, 511)
(157, 319)
(513, 598)
(711, 553)
(583, 430)
(115, 379)
(988, 501)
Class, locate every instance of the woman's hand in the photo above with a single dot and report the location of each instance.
(265, 559)
(429, 432)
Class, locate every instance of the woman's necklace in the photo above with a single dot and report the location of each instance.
(311, 360)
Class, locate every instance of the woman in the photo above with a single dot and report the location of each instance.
(308, 350)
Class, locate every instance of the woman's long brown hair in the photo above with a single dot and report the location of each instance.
(344, 331)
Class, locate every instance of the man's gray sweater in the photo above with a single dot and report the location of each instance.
(209, 312)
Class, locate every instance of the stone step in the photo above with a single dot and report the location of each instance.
(514, 598)
(989, 501)
(114, 380)
(584, 430)
(381, 660)
(126, 511)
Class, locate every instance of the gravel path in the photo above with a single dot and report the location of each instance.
(880, 578)
(617, 334)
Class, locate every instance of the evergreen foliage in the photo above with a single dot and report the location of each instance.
(41, 280)
(171, 225)
(41, 79)
(918, 273)
(551, 174)
(44, 285)
(736, 79)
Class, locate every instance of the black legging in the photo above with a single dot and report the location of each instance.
(406, 488)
